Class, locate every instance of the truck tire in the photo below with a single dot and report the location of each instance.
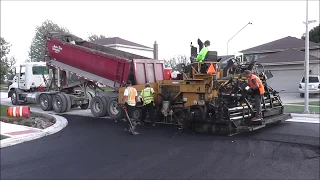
(45, 101)
(113, 110)
(90, 97)
(98, 106)
(59, 103)
(68, 102)
(107, 98)
(14, 98)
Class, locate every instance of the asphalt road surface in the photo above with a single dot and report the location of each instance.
(97, 148)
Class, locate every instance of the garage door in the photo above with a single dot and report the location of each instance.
(287, 80)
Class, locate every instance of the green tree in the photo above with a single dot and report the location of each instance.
(5, 47)
(6, 66)
(38, 45)
(314, 35)
(174, 61)
(94, 37)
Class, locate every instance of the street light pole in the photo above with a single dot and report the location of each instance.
(306, 77)
(234, 36)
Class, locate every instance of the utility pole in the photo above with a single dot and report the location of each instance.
(234, 36)
(306, 63)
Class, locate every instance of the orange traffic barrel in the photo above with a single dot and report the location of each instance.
(19, 111)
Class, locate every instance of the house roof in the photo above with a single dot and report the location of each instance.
(117, 40)
(280, 45)
(288, 55)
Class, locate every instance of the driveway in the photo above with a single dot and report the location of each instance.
(288, 98)
(97, 148)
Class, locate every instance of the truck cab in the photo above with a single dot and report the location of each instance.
(30, 77)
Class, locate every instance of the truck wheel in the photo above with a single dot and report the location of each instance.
(90, 97)
(59, 103)
(114, 111)
(302, 95)
(107, 98)
(14, 98)
(68, 102)
(45, 102)
(98, 106)
(86, 106)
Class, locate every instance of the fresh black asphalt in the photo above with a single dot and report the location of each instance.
(93, 148)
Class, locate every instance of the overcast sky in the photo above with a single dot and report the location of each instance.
(173, 24)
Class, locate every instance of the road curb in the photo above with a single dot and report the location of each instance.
(312, 116)
(60, 123)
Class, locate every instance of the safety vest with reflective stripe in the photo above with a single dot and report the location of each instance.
(261, 87)
(202, 54)
(147, 95)
(131, 96)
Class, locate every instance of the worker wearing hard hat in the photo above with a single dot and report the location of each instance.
(130, 98)
(257, 89)
(202, 54)
(148, 103)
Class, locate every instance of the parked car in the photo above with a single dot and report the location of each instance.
(314, 85)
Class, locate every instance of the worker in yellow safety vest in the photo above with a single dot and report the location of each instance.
(130, 98)
(148, 104)
(202, 54)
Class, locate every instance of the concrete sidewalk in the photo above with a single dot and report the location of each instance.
(305, 118)
(17, 134)
(14, 130)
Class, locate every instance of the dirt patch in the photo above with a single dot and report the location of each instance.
(36, 121)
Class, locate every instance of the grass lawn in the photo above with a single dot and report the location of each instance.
(3, 87)
(313, 103)
(3, 137)
(3, 110)
(300, 109)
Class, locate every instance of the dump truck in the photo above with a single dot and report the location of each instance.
(77, 73)
(209, 98)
